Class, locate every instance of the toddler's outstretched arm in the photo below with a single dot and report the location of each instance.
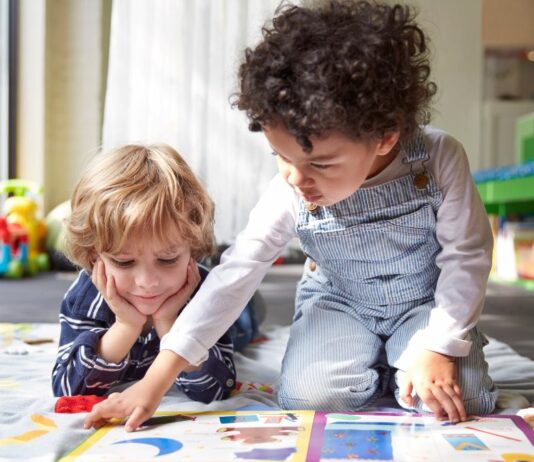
(140, 401)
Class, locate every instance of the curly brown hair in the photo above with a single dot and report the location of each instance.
(359, 67)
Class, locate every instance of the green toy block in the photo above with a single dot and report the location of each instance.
(511, 196)
(524, 136)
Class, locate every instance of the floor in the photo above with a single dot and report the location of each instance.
(508, 316)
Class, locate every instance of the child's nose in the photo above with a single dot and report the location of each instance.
(296, 176)
(146, 278)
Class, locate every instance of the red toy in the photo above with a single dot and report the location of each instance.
(77, 403)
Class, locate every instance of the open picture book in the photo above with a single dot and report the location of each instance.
(310, 436)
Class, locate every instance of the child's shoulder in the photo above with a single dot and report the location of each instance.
(448, 159)
(438, 139)
(81, 285)
(81, 293)
(445, 151)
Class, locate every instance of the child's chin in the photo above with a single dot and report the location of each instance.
(147, 310)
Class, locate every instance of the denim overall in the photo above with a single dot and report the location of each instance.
(368, 287)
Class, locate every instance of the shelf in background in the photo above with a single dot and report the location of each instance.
(502, 197)
(523, 283)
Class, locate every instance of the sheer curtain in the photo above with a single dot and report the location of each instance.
(172, 68)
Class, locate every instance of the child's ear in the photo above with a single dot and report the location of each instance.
(387, 143)
(93, 257)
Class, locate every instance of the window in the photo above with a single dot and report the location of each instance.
(7, 88)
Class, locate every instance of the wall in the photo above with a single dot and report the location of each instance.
(454, 28)
(508, 24)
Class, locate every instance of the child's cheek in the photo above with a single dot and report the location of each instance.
(119, 278)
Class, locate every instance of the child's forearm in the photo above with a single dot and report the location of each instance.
(215, 378)
(164, 326)
(116, 343)
(163, 371)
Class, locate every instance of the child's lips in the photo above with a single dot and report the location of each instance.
(311, 197)
(147, 297)
(308, 196)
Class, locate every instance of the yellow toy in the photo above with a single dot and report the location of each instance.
(26, 232)
(22, 211)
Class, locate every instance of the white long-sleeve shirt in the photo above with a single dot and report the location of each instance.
(462, 230)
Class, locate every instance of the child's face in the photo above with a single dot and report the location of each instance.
(336, 167)
(147, 273)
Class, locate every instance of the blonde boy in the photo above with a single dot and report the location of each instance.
(140, 222)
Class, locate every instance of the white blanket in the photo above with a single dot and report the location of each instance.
(31, 430)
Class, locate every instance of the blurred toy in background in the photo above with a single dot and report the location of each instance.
(22, 232)
(55, 237)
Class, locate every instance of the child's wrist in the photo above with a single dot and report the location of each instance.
(444, 355)
(129, 326)
(164, 370)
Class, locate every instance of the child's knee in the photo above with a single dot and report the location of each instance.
(329, 393)
(483, 403)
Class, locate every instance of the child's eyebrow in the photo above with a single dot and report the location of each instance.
(323, 157)
(118, 255)
(312, 158)
(170, 250)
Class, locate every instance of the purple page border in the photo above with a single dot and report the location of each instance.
(316, 437)
(520, 423)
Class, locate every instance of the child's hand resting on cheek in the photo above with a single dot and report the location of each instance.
(164, 317)
(125, 312)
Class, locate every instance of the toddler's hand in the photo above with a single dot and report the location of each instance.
(170, 308)
(433, 377)
(138, 403)
(141, 400)
(125, 312)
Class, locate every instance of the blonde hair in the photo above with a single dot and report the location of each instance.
(136, 190)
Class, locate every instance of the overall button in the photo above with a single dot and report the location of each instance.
(312, 266)
(230, 383)
(420, 181)
(311, 207)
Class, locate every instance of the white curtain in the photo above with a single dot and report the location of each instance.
(172, 68)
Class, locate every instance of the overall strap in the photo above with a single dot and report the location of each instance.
(414, 149)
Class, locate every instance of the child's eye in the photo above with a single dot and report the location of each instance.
(168, 261)
(122, 263)
(320, 166)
